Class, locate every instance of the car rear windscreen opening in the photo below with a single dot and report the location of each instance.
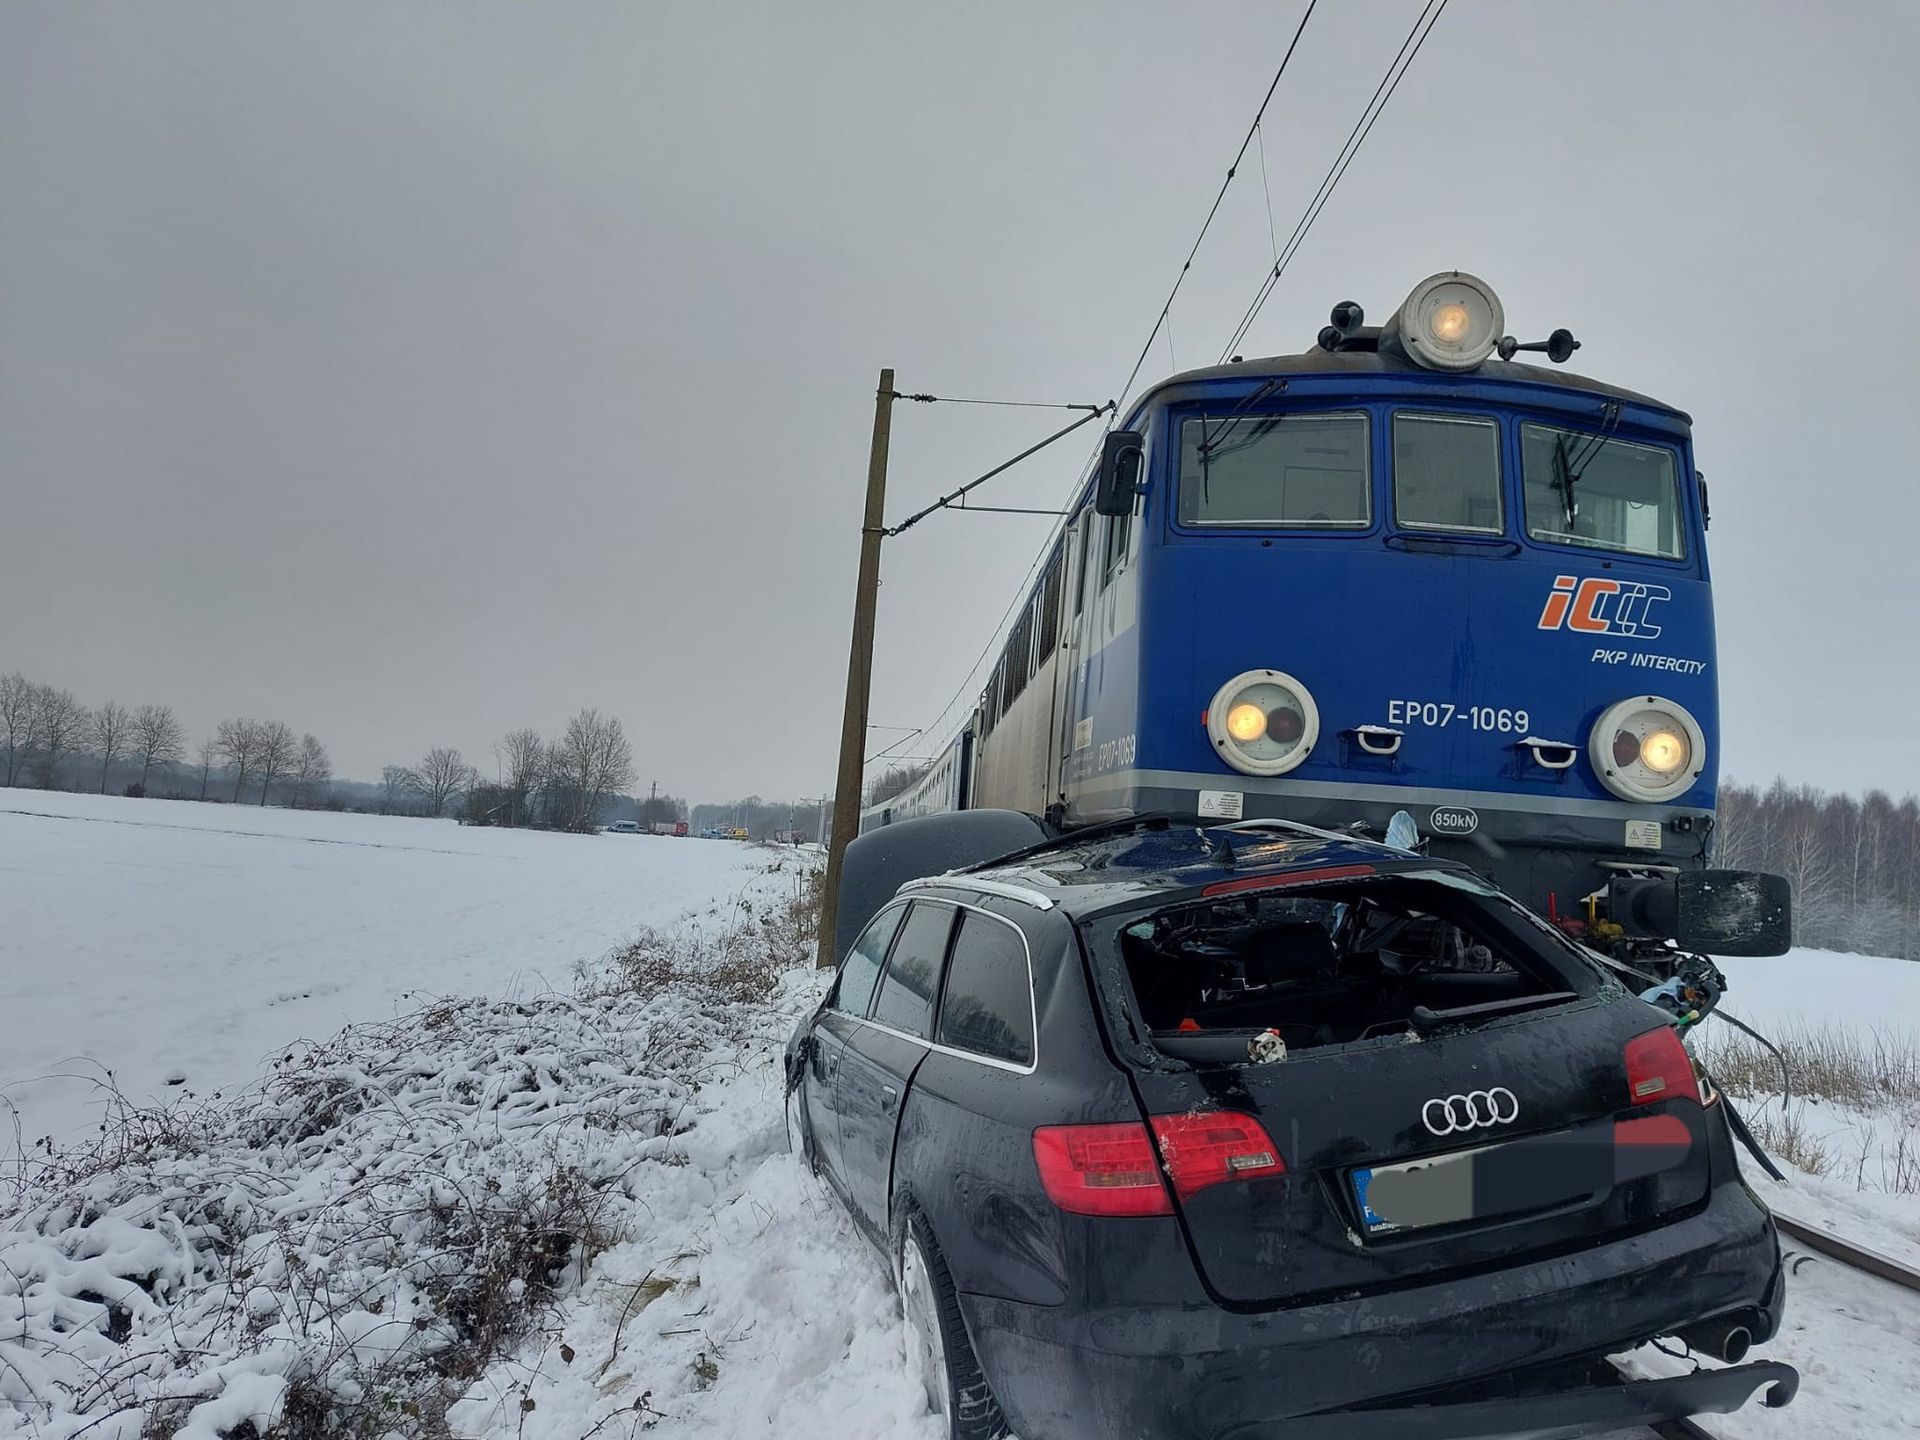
(1333, 965)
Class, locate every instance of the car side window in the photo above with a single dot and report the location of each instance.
(988, 1005)
(913, 971)
(853, 991)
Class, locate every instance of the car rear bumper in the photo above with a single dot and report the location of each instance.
(1197, 1370)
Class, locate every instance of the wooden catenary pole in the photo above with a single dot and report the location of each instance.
(853, 723)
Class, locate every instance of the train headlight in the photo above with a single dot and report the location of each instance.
(1263, 722)
(1451, 321)
(1647, 748)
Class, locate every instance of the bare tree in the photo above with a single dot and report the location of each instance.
(443, 774)
(208, 752)
(273, 755)
(238, 742)
(397, 784)
(60, 723)
(158, 739)
(17, 719)
(592, 761)
(522, 758)
(107, 732)
(311, 770)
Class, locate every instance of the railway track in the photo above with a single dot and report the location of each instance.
(1820, 1242)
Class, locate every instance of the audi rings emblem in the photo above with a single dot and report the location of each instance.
(1476, 1110)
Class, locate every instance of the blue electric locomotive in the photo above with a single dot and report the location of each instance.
(1400, 571)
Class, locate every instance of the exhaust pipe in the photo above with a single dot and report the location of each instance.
(1725, 1338)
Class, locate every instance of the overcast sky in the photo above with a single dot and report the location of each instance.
(412, 372)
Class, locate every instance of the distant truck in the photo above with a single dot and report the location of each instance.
(667, 827)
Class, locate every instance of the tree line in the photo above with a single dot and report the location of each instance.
(49, 739)
(566, 783)
(1854, 863)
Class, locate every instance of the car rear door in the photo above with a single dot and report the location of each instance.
(839, 1020)
(1516, 1121)
(882, 1055)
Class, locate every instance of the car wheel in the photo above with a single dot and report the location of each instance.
(938, 1350)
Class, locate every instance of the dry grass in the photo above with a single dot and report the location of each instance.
(1869, 1075)
(1868, 1068)
(738, 952)
(377, 1174)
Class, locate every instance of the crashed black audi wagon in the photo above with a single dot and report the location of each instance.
(1267, 1132)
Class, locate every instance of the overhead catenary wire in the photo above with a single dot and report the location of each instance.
(925, 399)
(1161, 321)
(1214, 209)
(954, 499)
(1383, 92)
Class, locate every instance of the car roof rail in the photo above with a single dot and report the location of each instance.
(957, 880)
(1069, 838)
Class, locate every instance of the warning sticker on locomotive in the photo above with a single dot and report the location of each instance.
(1221, 804)
(1643, 834)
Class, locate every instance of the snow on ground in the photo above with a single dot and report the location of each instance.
(749, 1307)
(1859, 991)
(295, 1244)
(171, 939)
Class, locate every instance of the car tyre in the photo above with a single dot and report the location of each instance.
(937, 1345)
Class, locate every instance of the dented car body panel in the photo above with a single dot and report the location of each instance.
(1235, 1286)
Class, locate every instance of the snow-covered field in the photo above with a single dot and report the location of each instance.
(165, 939)
(326, 1232)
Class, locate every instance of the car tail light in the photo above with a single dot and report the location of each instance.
(1211, 1147)
(1287, 877)
(1101, 1169)
(1659, 1068)
(1665, 1130)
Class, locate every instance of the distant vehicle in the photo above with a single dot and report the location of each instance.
(737, 832)
(1264, 1131)
(624, 827)
(667, 827)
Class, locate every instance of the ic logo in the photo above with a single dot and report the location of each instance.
(1453, 820)
(1603, 607)
(1476, 1110)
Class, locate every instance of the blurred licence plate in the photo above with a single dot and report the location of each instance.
(1437, 1190)
(1490, 1180)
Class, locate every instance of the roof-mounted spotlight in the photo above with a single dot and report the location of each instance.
(1346, 319)
(1451, 321)
(1558, 347)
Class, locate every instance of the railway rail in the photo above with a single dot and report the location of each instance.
(1820, 1242)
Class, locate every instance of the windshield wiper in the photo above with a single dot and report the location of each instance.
(1564, 478)
(1207, 435)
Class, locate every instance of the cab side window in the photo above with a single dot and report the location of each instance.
(853, 990)
(913, 970)
(988, 1006)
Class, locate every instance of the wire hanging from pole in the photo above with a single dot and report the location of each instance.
(926, 399)
(1363, 127)
(1207, 224)
(946, 501)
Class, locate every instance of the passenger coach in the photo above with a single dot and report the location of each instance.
(1400, 571)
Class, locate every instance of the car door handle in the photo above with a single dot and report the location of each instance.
(889, 1096)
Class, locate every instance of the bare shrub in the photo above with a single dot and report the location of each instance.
(1871, 1067)
(741, 958)
(1787, 1136)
